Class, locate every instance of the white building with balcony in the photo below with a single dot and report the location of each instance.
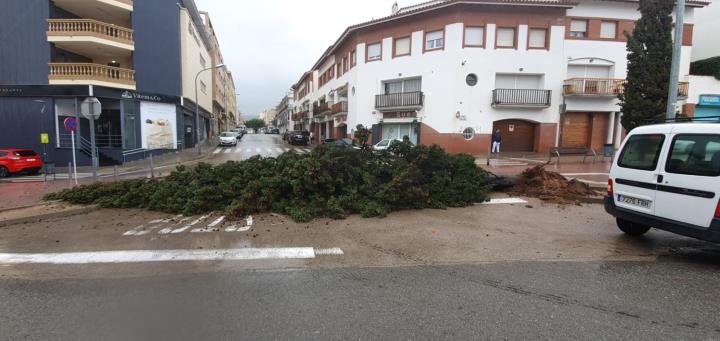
(545, 73)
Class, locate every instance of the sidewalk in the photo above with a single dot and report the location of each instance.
(25, 191)
(595, 174)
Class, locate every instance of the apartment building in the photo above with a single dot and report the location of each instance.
(284, 109)
(139, 58)
(221, 79)
(545, 73)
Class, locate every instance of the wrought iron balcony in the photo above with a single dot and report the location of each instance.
(521, 98)
(400, 101)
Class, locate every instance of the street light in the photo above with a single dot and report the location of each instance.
(197, 107)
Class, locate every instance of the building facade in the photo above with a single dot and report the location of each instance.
(138, 58)
(545, 73)
(283, 120)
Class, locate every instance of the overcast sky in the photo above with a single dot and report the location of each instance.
(268, 44)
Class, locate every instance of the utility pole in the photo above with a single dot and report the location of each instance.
(675, 68)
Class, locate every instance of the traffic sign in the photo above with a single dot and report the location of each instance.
(70, 124)
(44, 138)
(91, 108)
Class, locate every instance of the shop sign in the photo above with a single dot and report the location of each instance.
(709, 100)
(400, 114)
(44, 138)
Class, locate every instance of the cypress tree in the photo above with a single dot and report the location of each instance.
(649, 58)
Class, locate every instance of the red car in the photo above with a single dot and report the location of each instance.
(19, 160)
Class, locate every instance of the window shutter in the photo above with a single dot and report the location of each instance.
(537, 38)
(578, 25)
(506, 37)
(374, 51)
(402, 46)
(608, 29)
(475, 36)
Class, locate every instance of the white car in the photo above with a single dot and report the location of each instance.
(384, 144)
(228, 138)
(667, 176)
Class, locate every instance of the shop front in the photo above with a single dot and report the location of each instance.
(129, 121)
(708, 108)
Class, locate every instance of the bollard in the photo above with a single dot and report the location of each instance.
(115, 172)
(152, 167)
(70, 173)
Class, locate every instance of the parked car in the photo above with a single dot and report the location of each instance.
(668, 177)
(384, 144)
(343, 143)
(13, 161)
(229, 138)
(299, 137)
(240, 133)
(274, 131)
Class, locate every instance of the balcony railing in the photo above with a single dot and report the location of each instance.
(340, 107)
(683, 89)
(321, 109)
(87, 72)
(75, 27)
(521, 97)
(594, 86)
(401, 100)
(299, 115)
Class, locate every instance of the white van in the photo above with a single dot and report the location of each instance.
(667, 176)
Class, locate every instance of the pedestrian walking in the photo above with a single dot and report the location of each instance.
(311, 137)
(496, 140)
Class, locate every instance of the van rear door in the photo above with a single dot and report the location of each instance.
(690, 185)
(636, 172)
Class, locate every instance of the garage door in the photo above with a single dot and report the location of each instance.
(517, 136)
(575, 129)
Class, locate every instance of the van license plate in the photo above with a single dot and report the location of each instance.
(634, 201)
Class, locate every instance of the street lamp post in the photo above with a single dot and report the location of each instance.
(197, 107)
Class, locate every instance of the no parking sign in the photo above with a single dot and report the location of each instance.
(70, 124)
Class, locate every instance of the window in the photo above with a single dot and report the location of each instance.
(345, 65)
(505, 37)
(475, 36)
(608, 29)
(339, 69)
(403, 86)
(695, 155)
(402, 46)
(518, 81)
(641, 152)
(471, 79)
(434, 40)
(578, 28)
(374, 52)
(203, 62)
(203, 87)
(537, 38)
(353, 58)
(468, 134)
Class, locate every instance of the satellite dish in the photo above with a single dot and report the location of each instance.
(395, 8)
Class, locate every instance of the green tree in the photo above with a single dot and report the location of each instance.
(255, 123)
(362, 135)
(649, 58)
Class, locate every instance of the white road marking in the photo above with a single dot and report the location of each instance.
(141, 256)
(500, 201)
(258, 150)
(169, 228)
(287, 149)
(227, 151)
(249, 150)
(237, 150)
(159, 223)
(217, 151)
(246, 227)
(133, 231)
(280, 150)
(186, 227)
(210, 226)
(581, 174)
(335, 251)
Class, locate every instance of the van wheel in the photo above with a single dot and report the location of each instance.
(4, 172)
(630, 228)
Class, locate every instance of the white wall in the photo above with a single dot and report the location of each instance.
(707, 26)
(190, 55)
(702, 85)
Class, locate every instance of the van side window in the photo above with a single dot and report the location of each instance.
(642, 152)
(695, 154)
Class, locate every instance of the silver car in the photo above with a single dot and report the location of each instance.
(228, 138)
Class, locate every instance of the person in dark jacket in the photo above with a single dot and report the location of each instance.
(496, 140)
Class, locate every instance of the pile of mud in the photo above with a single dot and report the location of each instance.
(551, 186)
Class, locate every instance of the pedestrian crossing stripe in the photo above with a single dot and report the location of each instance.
(180, 224)
(261, 151)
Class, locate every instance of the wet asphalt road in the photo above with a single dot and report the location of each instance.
(669, 300)
(255, 144)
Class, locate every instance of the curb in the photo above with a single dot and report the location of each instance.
(40, 217)
(590, 200)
